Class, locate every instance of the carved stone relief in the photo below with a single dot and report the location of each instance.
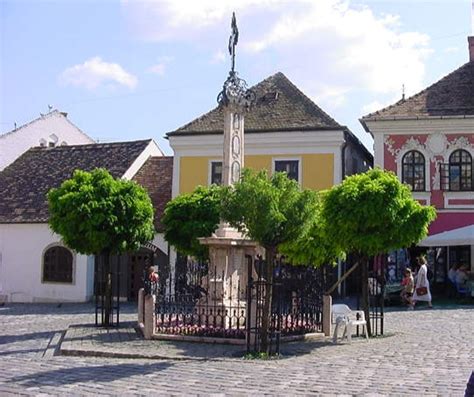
(236, 146)
(437, 143)
(235, 172)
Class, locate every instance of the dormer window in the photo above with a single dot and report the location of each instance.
(53, 140)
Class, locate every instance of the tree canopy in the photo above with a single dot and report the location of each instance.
(190, 216)
(270, 210)
(93, 213)
(373, 212)
(313, 248)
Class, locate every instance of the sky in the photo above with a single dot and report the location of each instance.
(126, 70)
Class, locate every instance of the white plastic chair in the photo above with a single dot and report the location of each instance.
(343, 315)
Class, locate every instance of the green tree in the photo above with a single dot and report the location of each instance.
(313, 248)
(372, 213)
(97, 214)
(190, 216)
(270, 211)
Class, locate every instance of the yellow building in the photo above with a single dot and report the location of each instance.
(284, 131)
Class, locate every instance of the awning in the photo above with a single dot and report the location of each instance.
(461, 236)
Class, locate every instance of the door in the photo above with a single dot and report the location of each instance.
(139, 262)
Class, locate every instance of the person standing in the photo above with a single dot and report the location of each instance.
(422, 287)
(408, 287)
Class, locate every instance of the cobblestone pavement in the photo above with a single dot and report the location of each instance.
(425, 352)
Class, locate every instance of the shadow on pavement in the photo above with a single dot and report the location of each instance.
(16, 309)
(90, 374)
(7, 339)
(16, 352)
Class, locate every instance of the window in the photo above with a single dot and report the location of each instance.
(57, 265)
(413, 170)
(291, 167)
(216, 172)
(460, 171)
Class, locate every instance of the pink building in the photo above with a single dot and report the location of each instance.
(428, 141)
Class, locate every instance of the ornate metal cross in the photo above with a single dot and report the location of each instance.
(233, 40)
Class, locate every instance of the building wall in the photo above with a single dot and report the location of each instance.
(355, 159)
(316, 170)
(52, 128)
(436, 139)
(319, 153)
(21, 260)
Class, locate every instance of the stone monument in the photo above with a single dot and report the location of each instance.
(228, 249)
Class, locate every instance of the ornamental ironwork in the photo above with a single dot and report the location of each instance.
(235, 91)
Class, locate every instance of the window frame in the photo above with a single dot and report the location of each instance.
(43, 265)
(459, 165)
(275, 160)
(210, 169)
(412, 164)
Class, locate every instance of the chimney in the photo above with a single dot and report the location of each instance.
(470, 40)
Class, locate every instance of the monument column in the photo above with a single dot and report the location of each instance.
(227, 246)
(235, 99)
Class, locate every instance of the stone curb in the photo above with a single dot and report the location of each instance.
(71, 345)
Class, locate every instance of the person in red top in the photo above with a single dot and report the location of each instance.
(152, 275)
(409, 285)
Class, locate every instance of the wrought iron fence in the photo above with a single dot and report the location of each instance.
(199, 306)
(200, 302)
(376, 288)
(296, 309)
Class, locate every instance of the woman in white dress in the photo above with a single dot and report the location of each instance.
(422, 287)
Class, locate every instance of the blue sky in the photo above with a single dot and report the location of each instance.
(127, 70)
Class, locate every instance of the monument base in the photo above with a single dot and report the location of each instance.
(229, 265)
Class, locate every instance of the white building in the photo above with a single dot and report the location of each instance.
(35, 266)
(51, 129)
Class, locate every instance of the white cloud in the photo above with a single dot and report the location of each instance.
(451, 50)
(333, 96)
(94, 73)
(332, 48)
(180, 18)
(372, 107)
(160, 67)
(218, 57)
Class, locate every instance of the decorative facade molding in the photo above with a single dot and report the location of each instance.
(436, 150)
(436, 143)
(389, 142)
(460, 143)
(436, 178)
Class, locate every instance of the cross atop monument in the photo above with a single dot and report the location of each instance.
(235, 90)
(233, 40)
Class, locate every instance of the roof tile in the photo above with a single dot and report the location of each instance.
(25, 183)
(453, 95)
(280, 106)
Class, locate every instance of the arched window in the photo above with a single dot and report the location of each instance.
(57, 265)
(413, 170)
(460, 171)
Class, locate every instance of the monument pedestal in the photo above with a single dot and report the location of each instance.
(229, 267)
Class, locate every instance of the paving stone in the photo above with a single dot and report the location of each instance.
(427, 353)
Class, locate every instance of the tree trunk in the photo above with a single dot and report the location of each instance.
(108, 289)
(267, 304)
(365, 290)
